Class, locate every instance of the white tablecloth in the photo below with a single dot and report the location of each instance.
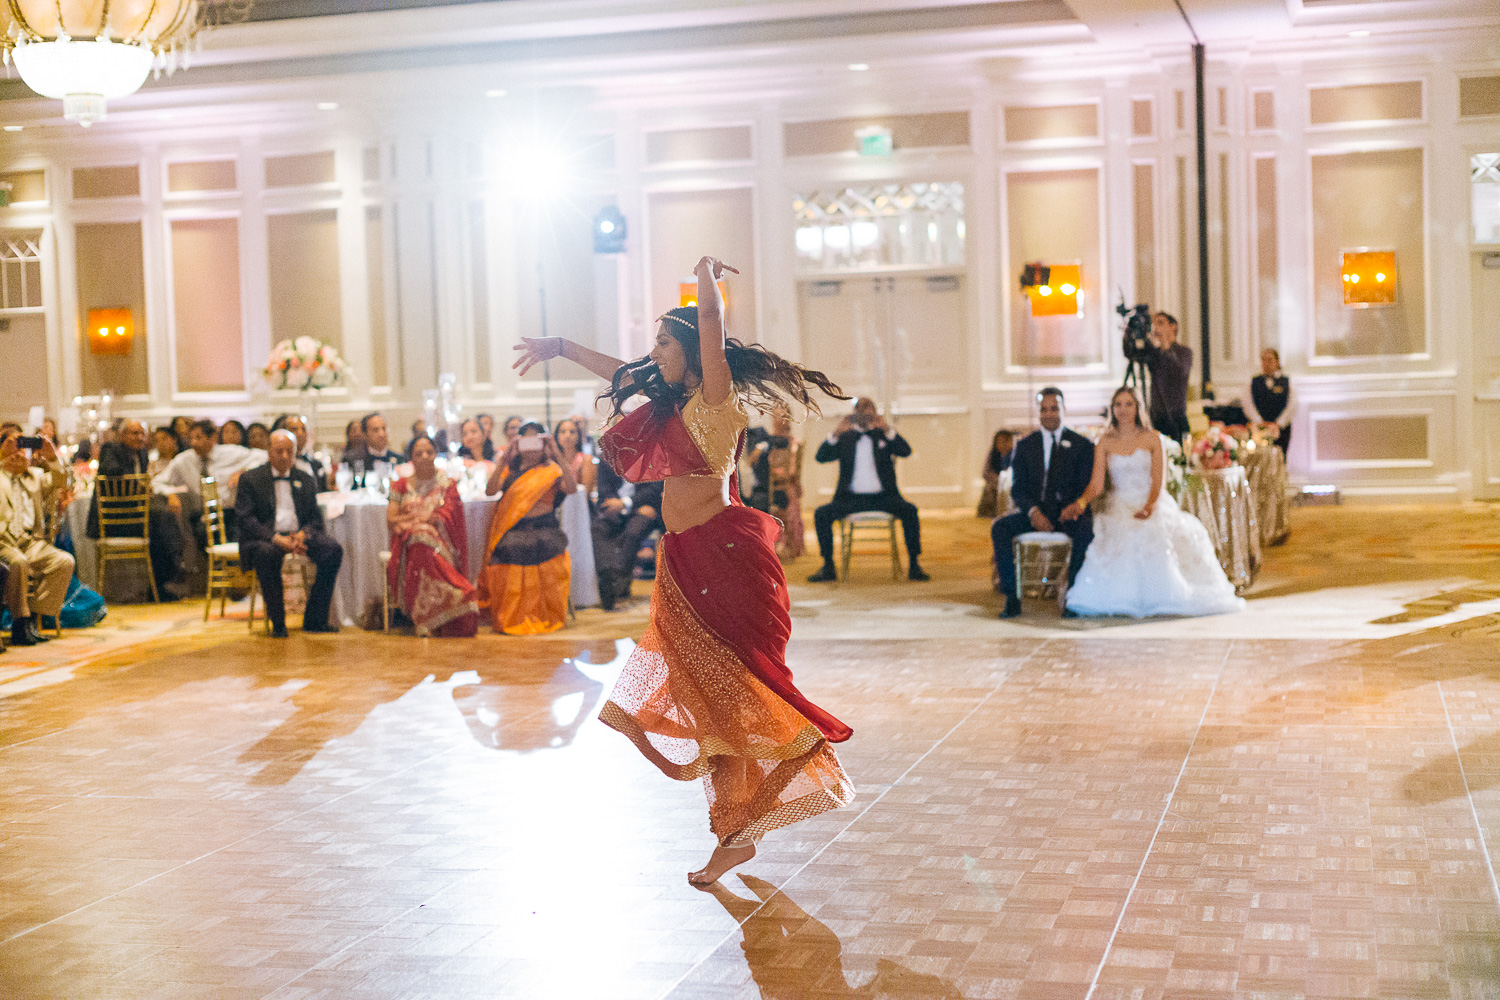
(577, 525)
(361, 529)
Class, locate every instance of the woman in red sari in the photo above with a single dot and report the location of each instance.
(426, 574)
(707, 693)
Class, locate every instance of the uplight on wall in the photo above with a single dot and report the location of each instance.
(1369, 278)
(1054, 289)
(687, 292)
(110, 331)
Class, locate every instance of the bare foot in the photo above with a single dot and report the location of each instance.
(724, 858)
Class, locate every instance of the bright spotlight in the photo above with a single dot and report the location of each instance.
(328, 106)
(1067, 289)
(858, 67)
(1044, 290)
(537, 170)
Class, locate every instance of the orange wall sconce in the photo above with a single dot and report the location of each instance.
(110, 331)
(1369, 278)
(1058, 290)
(687, 293)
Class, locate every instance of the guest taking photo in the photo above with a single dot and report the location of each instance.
(866, 449)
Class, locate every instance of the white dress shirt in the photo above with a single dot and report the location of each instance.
(286, 510)
(184, 473)
(865, 479)
(1282, 421)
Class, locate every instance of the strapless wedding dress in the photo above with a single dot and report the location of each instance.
(1164, 565)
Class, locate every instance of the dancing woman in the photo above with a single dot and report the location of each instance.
(707, 693)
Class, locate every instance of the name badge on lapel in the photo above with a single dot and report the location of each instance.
(1064, 443)
(296, 484)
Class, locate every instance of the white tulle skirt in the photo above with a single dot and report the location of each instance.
(1164, 565)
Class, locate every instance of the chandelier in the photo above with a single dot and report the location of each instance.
(87, 52)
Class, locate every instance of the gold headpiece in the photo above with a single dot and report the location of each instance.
(678, 319)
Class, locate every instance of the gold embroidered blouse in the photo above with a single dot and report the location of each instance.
(716, 429)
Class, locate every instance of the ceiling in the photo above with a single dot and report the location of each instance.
(285, 10)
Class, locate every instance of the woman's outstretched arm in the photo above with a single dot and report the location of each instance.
(716, 378)
(539, 349)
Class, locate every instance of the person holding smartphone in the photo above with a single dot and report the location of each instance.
(527, 580)
(31, 477)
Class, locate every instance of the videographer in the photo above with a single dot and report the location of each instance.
(1171, 365)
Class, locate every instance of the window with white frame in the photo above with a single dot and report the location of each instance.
(880, 226)
(20, 270)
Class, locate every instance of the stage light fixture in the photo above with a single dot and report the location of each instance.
(1369, 278)
(609, 230)
(1053, 289)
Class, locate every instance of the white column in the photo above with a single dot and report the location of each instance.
(161, 350)
(354, 279)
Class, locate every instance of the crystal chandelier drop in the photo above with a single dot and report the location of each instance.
(87, 52)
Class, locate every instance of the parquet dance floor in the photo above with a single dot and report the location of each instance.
(1248, 808)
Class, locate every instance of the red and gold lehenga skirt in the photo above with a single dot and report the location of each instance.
(707, 693)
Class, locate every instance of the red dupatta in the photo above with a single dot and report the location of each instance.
(727, 567)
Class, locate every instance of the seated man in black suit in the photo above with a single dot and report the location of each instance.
(866, 448)
(620, 525)
(277, 507)
(1050, 468)
(128, 457)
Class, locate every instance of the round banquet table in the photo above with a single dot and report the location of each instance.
(357, 522)
(1266, 468)
(1222, 500)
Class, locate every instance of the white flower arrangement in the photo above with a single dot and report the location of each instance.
(305, 363)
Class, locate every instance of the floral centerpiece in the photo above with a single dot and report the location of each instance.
(304, 363)
(1215, 449)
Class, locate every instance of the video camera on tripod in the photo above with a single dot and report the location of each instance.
(1137, 338)
(1136, 341)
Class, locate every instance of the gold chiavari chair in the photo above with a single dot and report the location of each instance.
(124, 524)
(224, 573)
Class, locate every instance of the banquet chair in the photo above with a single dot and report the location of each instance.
(872, 525)
(31, 589)
(385, 590)
(224, 573)
(301, 564)
(124, 510)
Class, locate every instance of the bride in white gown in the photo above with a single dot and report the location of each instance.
(1148, 557)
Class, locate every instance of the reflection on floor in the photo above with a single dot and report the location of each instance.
(1223, 807)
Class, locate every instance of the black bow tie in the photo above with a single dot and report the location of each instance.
(281, 478)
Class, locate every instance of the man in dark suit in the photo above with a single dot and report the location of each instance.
(620, 525)
(1050, 468)
(128, 457)
(277, 507)
(866, 449)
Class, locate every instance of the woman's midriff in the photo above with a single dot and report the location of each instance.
(688, 501)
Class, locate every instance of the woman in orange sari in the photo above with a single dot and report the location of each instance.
(707, 693)
(427, 574)
(525, 585)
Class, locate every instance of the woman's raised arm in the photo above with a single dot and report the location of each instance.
(717, 381)
(539, 349)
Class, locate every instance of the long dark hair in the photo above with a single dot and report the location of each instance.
(764, 379)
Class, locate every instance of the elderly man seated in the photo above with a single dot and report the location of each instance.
(277, 507)
(127, 457)
(29, 484)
